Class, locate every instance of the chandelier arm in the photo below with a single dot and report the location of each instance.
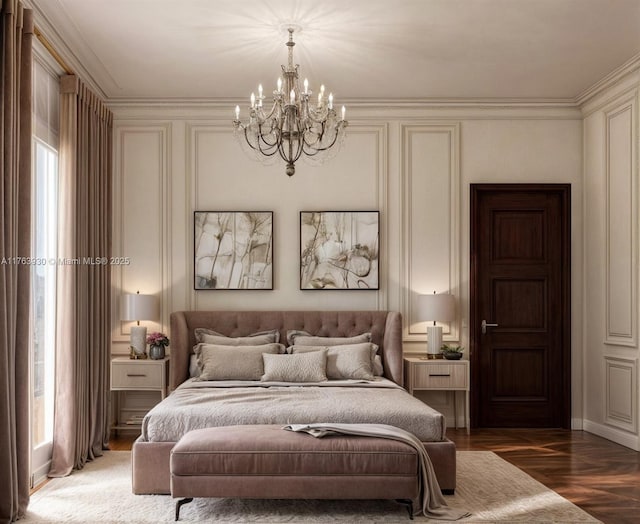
(271, 149)
(315, 150)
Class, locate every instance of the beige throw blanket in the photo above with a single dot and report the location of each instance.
(431, 503)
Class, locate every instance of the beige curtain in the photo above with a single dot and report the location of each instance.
(16, 29)
(83, 344)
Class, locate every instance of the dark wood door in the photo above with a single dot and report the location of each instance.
(520, 281)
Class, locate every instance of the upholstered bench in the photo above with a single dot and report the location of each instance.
(268, 462)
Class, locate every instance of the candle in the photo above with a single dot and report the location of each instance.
(237, 112)
(279, 85)
(253, 100)
(344, 110)
(306, 86)
(259, 90)
(330, 100)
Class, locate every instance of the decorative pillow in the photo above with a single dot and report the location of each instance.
(354, 361)
(233, 362)
(303, 338)
(194, 369)
(378, 368)
(208, 336)
(303, 367)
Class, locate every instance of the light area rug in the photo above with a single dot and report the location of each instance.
(492, 489)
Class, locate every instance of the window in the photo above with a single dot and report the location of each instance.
(44, 189)
(43, 290)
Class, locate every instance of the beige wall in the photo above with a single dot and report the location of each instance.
(414, 165)
(611, 352)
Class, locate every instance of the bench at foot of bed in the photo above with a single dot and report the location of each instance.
(151, 464)
(267, 462)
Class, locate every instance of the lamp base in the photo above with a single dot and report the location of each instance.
(138, 341)
(434, 341)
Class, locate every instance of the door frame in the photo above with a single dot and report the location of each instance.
(564, 191)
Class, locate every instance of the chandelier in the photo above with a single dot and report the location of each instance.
(297, 124)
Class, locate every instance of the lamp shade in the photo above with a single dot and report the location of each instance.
(438, 308)
(139, 307)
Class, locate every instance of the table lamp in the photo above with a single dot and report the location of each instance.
(436, 308)
(139, 307)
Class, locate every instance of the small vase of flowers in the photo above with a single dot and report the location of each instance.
(157, 343)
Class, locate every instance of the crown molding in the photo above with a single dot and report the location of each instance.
(367, 103)
(629, 67)
(65, 55)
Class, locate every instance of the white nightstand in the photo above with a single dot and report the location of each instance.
(443, 375)
(137, 375)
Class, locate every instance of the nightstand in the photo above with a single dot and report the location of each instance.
(137, 375)
(443, 375)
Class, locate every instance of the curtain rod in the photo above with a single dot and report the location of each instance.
(52, 51)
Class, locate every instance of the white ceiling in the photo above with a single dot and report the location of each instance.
(361, 49)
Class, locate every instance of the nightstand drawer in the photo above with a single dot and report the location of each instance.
(439, 376)
(141, 375)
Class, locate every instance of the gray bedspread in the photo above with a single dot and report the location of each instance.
(196, 405)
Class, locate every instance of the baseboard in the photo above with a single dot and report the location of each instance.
(618, 436)
(40, 474)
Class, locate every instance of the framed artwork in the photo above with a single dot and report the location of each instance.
(339, 249)
(233, 249)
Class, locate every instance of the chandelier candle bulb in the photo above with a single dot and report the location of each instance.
(330, 100)
(237, 112)
(253, 101)
(306, 86)
(344, 110)
(279, 85)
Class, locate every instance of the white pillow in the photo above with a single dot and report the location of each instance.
(208, 336)
(303, 338)
(303, 367)
(233, 362)
(354, 361)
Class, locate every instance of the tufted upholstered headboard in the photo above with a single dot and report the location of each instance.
(384, 326)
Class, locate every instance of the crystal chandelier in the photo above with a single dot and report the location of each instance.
(296, 124)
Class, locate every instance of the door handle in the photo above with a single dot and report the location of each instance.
(484, 326)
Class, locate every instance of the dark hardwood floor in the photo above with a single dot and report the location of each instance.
(601, 477)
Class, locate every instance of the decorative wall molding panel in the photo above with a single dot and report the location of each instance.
(142, 214)
(621, 171)
(219, 176)
(622, 393)
(431, 215)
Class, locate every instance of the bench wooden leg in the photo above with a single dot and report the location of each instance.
(179, 504)
(409, 504)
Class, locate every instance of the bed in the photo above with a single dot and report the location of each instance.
(198, 403)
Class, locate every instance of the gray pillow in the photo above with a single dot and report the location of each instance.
(194, 369)
(303, 367)
(353, 361)
(233, 362)
(208, 336)
(303, 338)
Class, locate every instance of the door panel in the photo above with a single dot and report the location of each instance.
(520, 269)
